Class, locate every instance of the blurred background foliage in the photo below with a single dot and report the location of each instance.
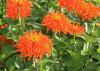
(69, 54)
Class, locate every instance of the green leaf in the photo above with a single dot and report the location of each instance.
(98, 50)
(86, 49)
(91, 66)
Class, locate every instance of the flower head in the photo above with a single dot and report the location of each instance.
(86, 10)
(76, 29)
(56, 21)
(90, 11)
(34, 44)
(18, 8)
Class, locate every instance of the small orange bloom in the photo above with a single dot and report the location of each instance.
(56, 21)
(34, 44)
(18, 8)
(3, 26)
(76, 29)
(2, 38)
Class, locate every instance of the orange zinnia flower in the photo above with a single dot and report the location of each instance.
(56, 21)
(18, 8)
(34, 44)
(76, 29)
(86, 10)
(70, 4)
(90, 11)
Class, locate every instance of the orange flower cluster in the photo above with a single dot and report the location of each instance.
(58, 22)
(18, 8)
(86, 10)
(34, 44)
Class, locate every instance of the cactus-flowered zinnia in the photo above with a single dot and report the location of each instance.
(18, 8)
(87, 11)
(34, 45)
(56, 21)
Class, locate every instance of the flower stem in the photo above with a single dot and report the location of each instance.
(35, 65)
(75, 42)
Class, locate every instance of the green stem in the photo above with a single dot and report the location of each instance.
(74, 38)
(35, 65)
(3, 7)
(75, 42)
(20, 25)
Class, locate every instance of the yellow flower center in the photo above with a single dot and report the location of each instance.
(57, 16)
(19, 1)
(34, 37)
